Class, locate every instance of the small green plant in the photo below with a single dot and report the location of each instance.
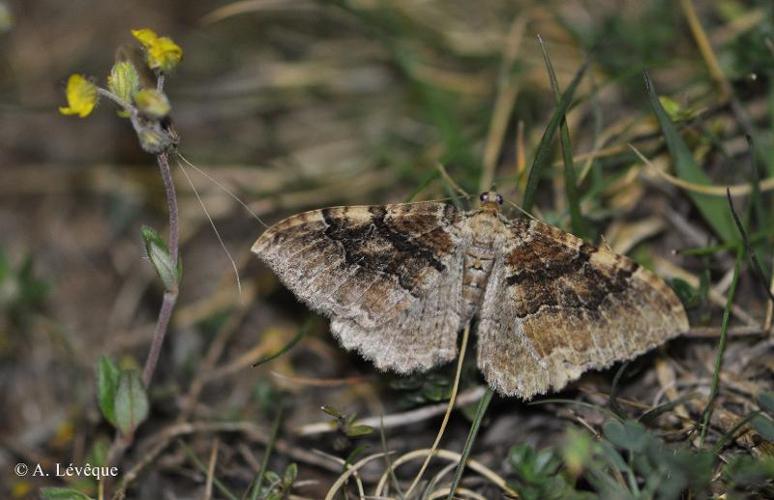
(121, 393)
(346, 423)
(278, 486)
(629, 461)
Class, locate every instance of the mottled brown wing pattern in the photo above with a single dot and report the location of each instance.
(556, 306)
(387, 276)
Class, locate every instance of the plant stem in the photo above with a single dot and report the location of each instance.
(120, 443)
(170, 296)
(165, 313)
(169, 191)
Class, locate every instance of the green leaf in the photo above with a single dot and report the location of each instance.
(333, 412)
(272, 477)
(689, 296)
(577, 450)
(291, 473)
(359, 430)
(629, 435)
(748, 472)
(62, 494)
(766, 401)
(712, 208)
(613, 457)
(577, 221)
(159, 255)
(124, 82)
(682, 470)
(131, 402)
(99, 451)
(764, 426)
(107, 385)
(543, 152)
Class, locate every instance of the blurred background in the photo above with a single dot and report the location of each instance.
(294, 105)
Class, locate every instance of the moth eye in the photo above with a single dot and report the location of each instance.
(499, 200)
(484, 197)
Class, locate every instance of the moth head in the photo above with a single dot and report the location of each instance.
(490, 200)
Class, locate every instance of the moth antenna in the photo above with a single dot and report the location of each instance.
(223, 188)
(212, 224)
(518, 207)
(451, 181)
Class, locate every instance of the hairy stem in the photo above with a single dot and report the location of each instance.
(170, 296)
(121, 443)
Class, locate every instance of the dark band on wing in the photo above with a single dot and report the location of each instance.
(546, 266)
(401, 242)
(356, 242)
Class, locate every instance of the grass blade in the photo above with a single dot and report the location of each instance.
(295, 340)
(707, 414)
(713, 209)
(755, 264)
(543, 153)
(256, 490)
(577, 222)
(483, 404)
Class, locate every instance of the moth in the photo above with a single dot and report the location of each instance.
(399, 282)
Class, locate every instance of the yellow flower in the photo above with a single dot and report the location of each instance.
(81, 96)
(161, 52)
(152, 103)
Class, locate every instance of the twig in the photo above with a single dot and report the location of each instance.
(211, 470)
(207, 366)
(251, 430)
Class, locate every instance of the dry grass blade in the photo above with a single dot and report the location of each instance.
(351, 470)
(449, 456)
(711, 190)
(449, 408)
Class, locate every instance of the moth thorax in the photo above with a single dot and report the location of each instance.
(478, 266)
